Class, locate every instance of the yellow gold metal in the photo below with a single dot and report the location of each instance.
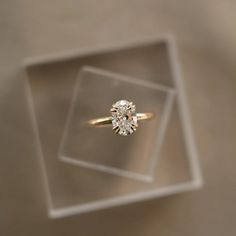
(107, 121)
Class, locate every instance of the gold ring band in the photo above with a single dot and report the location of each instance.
(107, 121)
(124, 118)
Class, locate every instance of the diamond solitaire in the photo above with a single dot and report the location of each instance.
(124, 119)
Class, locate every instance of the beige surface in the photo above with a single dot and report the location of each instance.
(206, 35)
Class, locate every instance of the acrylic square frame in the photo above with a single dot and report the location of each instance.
(99, 149)
(176, 172)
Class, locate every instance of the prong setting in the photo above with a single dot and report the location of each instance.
(124, 117)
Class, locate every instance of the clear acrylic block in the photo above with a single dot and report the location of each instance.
(99, 148)
(72, 189)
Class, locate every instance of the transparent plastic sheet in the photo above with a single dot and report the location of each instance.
(99, 148)
(72, 189)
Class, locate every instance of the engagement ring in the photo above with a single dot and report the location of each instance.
(123, 119)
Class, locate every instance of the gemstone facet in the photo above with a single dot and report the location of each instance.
(124, 117)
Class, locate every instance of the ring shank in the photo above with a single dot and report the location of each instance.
(106, 121)
(145, 116)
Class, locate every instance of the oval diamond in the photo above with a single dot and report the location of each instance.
(124, 117)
